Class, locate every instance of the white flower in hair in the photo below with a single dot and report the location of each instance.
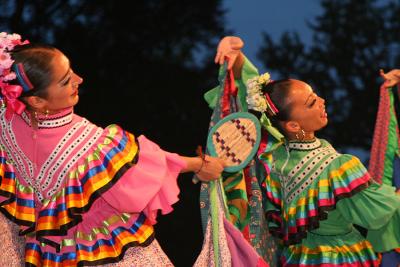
(258, 102)
(5, 61)
(264, 79)
(255, 98)
(10, 76)
(252, 83)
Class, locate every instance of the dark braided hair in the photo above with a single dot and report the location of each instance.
(278, 92)
(36, 60)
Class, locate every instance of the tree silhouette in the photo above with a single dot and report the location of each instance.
(145, 68)
(352, 40)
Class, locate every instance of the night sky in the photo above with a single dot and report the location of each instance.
(248, 19)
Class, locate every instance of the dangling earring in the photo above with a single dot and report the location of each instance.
(46, 114)
(303, 135)
(35, 115)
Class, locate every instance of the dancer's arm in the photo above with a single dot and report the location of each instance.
(207, 169)
(391, 78)
(230, 46)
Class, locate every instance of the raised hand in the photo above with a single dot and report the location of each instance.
(391, 78)
(229, 47)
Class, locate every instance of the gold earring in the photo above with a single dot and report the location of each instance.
(36, 116)
(303, 135)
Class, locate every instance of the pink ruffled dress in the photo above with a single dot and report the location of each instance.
(84, 195)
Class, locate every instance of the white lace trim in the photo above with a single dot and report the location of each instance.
(55, 160)
(14, 152)
(78, 155)
(305, 145)
(59, 147)
(308, 174)
(51, 122)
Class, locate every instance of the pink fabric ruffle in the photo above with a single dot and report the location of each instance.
(149, 186)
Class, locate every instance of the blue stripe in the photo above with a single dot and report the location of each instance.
(26, 202)
(101, 242)
(53, 212)
(9, 175)
(50, 256)
(73, 190)
(365, 255)
(20, 78)
(111, 242)
(108, 157)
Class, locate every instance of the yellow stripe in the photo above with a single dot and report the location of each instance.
(324, 249)
(83, 255)
(338, 173)
(19, 215)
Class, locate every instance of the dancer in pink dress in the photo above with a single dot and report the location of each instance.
(79, 194)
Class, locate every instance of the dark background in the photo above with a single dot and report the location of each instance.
(146, 68)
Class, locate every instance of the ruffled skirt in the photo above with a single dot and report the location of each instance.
(349, 250)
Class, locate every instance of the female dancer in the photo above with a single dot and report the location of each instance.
(314, 195)
(81, 194)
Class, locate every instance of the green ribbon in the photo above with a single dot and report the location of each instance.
(214, 220)
(266, 123)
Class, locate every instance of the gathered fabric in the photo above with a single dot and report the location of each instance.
(316, 196)
(81, 194)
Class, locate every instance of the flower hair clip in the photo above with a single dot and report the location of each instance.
(256, 100)
(7, 44)
(10, 93)
(259, 101)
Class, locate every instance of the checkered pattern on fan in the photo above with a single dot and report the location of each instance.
(235, 139)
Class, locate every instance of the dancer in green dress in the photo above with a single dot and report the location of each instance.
(313, 195)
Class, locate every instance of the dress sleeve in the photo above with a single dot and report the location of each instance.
(273, 204)
(150, 185)
(376, 208)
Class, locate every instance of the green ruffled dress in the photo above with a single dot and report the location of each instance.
(317, 195)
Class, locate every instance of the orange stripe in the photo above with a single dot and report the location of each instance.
(33, 257)
(21, 216)
(103, 252)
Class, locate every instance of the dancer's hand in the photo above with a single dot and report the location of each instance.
(211, 169)
(229, 46)
(391, 78)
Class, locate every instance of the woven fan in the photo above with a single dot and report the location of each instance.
(235, 139)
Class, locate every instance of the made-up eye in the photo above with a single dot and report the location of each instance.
(312, 103)
(67, 78)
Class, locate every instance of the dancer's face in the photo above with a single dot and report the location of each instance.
(307, 108)
(63, 89)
